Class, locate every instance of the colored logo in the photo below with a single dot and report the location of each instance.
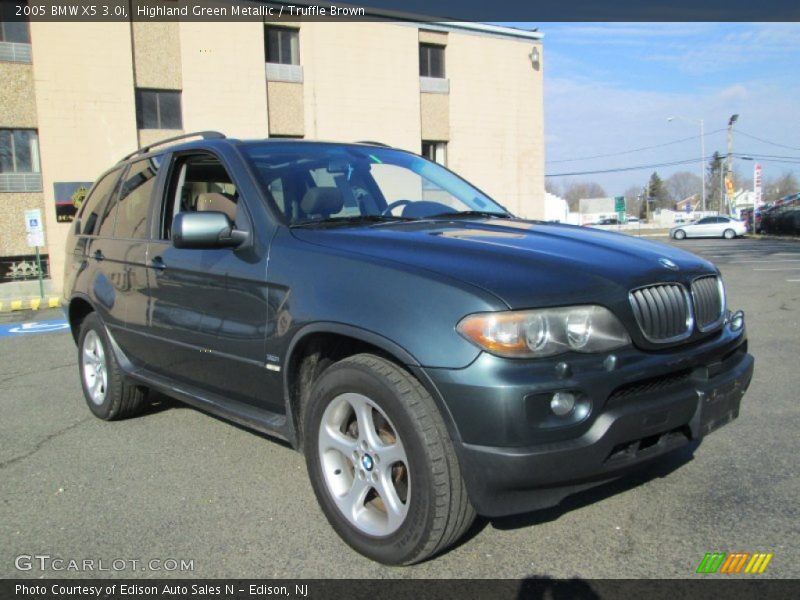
(734, 563)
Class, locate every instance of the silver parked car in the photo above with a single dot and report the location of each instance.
(725, 227)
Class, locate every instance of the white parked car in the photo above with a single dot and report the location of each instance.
(724, 227)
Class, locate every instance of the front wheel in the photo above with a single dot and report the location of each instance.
(729, 234)
(381, 462)
(679, 235)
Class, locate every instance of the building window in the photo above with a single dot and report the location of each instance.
(282, 45)
(158, 109)
(435, 151)
(11, 28)
(431, 61)
(19, 151)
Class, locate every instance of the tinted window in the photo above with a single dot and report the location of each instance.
(705, 221)
(96, 201)
(431, 60)
(158, 109)
(133, 205)
(19, 151)
(11, 28)
(282, 45)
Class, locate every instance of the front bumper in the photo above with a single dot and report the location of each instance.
(643, 406)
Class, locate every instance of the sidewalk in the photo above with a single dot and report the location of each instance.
(24, 295)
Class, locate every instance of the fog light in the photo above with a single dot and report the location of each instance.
(562, 403)
(737, 321)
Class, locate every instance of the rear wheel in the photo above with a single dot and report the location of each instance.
(680, 234)
(109, 395)
(729, 234)
(381, 462)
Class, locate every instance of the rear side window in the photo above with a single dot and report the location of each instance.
(133, 205)
(97, 200)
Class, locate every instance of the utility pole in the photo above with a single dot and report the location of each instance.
(728, 170)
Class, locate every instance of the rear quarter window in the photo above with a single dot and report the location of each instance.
(96, 201)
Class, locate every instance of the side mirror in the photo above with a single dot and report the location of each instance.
(205, 230)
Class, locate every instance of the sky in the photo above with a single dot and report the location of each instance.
(610, 87)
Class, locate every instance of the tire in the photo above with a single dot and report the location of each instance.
(426, 507)
(680, 234)
(729, 234)
(108, 393)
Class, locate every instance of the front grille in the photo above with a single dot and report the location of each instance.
(709, 302)
(663, 312)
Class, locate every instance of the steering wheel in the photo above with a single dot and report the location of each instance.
(396, 204)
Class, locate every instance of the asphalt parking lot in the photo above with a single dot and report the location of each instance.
(178, 484)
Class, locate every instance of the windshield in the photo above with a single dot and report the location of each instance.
(326, 183)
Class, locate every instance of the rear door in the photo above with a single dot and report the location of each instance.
(119, 254)
(208, 309)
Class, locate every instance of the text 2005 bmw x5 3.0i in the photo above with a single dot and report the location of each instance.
(432, 356)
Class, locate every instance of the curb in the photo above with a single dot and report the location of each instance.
(30, 304)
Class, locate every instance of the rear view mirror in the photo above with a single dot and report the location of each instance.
(209, 229)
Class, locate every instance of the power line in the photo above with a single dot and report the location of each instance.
(621, 169)
(633, 150)
(755, 137)
(740, 155)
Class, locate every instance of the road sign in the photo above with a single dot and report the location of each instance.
(36, 239)
(33, 221)
(619, 208)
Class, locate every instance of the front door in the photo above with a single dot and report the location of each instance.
(208, 308)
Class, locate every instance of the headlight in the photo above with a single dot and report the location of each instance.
(545, 332)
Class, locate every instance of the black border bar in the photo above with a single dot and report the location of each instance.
(416, 10)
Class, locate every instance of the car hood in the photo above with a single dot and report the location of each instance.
(524, 263)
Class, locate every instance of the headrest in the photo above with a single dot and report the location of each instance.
(322, 201)
(216, 201)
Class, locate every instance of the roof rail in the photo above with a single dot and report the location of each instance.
(371, 143)
(206, 135)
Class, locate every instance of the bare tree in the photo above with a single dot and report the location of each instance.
(776, 188)
(633, 200)
(573, 192)
(683, 184)
(552, 186)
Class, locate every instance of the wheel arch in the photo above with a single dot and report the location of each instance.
(79, 307)
(318, 345)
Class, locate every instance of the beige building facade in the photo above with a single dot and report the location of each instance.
(467, 95)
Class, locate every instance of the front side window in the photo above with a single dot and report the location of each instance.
(431, 60)
(282, 45)
(133, 205)
(327, 182)
(11, 28)
(158, 109)
(199, 183)
(19, 151)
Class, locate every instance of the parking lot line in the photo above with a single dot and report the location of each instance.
(779, 269)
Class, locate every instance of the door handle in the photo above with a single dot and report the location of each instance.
(158, 263)
(98, 255)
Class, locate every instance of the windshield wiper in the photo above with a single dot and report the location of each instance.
(352, 220)
(469, 213)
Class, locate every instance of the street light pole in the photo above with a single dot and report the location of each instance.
(728, 160)
(702, 154)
